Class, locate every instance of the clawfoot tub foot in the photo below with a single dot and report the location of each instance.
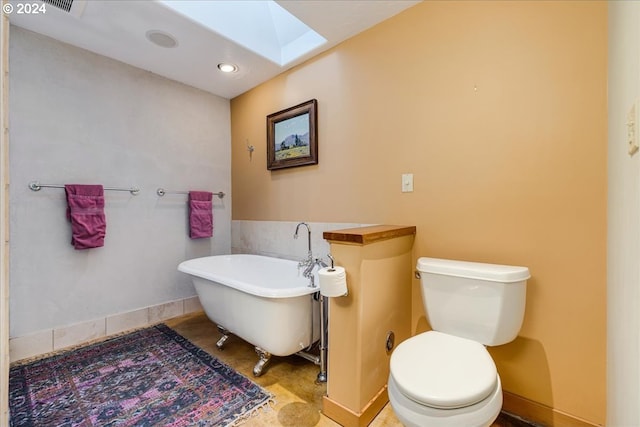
(223, 339)
(265, 357)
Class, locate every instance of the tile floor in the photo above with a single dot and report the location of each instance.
(298, 398)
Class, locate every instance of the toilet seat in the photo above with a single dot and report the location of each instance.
(443, 371)
(412, 414)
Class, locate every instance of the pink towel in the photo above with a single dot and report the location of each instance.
(85, 210)
(200, 214)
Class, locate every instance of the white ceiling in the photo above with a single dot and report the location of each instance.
(117, 28)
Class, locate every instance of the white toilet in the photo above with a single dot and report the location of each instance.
(446, 377)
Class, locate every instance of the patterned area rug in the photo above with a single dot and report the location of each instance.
(150, 377)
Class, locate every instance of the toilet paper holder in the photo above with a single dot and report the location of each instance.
(331, 258)
(335, 286)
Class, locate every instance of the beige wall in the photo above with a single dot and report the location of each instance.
(499, 111)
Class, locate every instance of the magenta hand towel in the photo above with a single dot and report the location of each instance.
(200, 214)
(85, 210)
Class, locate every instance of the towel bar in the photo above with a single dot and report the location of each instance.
(161, 192)
(36, 186)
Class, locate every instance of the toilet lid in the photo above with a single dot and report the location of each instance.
(443, 371)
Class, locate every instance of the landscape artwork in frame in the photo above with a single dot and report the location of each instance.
(292, 136)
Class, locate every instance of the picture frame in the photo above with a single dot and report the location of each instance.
(292, 136)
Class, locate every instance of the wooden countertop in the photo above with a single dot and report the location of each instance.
(370, 234)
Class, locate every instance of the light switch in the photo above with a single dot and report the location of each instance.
(632, 129)
(407, 182)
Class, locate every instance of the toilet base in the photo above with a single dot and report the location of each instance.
(412, 414)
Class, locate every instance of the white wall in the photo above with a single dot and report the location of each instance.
(77, 117)
(623, 252)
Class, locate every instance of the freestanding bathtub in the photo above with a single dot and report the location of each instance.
(263, 300)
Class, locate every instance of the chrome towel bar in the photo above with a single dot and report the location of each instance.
(36, 186)
(161, 192)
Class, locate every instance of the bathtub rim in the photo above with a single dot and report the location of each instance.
(243, 286)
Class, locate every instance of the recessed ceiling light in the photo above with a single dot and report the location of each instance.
(162, 39)
(225, 67)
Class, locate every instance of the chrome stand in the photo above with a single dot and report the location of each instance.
(322, 375)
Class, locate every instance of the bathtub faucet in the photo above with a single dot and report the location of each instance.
(309, 263)
(309, 259)
(308, 272)
(295, 236)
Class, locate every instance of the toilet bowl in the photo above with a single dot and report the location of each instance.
(446, 377)
(442, 380)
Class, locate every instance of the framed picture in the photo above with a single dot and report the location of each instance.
(292, 136)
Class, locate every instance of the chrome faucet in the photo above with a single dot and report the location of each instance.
(295, 236)
(309, 263)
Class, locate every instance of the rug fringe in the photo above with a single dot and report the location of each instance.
(267, 405)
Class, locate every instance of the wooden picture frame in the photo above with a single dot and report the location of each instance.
(292, 136)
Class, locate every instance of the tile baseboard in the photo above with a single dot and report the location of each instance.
(47, 341)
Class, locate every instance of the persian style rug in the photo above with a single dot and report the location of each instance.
(150, 377)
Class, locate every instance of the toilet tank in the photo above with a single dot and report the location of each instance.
(481, 302)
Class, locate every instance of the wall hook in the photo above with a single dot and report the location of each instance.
(250, 149)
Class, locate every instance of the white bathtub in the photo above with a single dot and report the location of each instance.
(263, 300)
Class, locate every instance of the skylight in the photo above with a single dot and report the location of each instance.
(264, 27)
